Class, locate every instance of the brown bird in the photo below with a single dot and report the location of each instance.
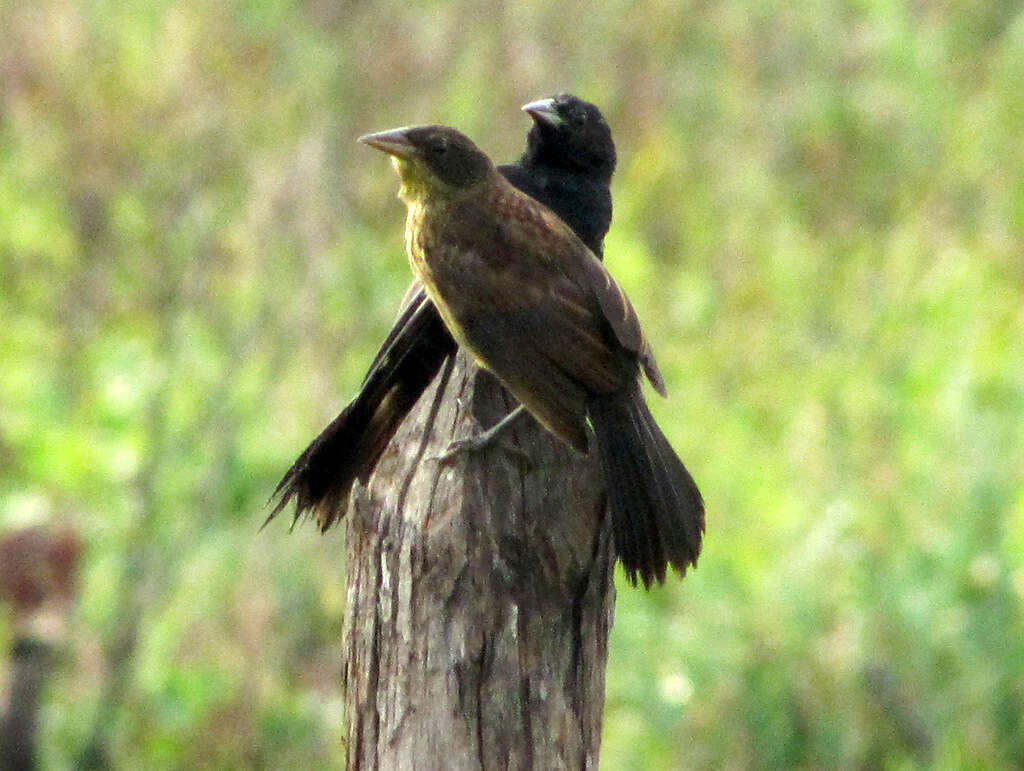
(568, 166)
(519, 290)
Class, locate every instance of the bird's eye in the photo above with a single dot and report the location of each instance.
(440, 146)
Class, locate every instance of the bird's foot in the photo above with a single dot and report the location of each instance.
(485, 439)
(481, 441)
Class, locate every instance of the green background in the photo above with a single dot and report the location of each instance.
(819, 216)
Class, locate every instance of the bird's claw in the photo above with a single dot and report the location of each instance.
(472, 444)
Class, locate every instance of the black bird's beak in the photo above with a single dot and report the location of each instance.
(544, 111)
(394, 142)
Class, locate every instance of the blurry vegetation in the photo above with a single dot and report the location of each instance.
(819, 214)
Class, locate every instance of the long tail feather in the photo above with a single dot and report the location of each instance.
(657, 511)
(319, 481)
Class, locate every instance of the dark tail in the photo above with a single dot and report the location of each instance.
(320, 480)
(657, 511)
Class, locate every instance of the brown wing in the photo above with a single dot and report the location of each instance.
(538, 310)
(549, 349)
(582, 268)
(621, 316)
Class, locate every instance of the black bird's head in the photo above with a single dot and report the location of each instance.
(571, 134)
(434, 161)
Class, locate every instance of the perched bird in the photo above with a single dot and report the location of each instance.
(521, 292)
(568, 165)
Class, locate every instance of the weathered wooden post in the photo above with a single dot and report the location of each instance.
(480, 595)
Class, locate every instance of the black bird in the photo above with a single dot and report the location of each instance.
(522, 293)
(568, 165)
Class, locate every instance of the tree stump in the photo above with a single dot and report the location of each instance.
(480, 594)
(30, 663)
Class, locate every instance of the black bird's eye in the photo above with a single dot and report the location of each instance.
(439, 146)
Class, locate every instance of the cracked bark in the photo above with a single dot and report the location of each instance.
(480, 595)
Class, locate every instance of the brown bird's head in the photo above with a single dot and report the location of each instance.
(571, 134)
(434, 161)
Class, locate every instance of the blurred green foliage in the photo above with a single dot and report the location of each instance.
(819, 214)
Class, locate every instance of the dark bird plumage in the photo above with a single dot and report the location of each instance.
(522, 293)
(568, 165)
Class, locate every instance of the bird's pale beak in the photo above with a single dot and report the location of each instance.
(394, 142)
(543, 111)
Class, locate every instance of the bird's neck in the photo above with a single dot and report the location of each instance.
(418, 233)
(413, 188)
